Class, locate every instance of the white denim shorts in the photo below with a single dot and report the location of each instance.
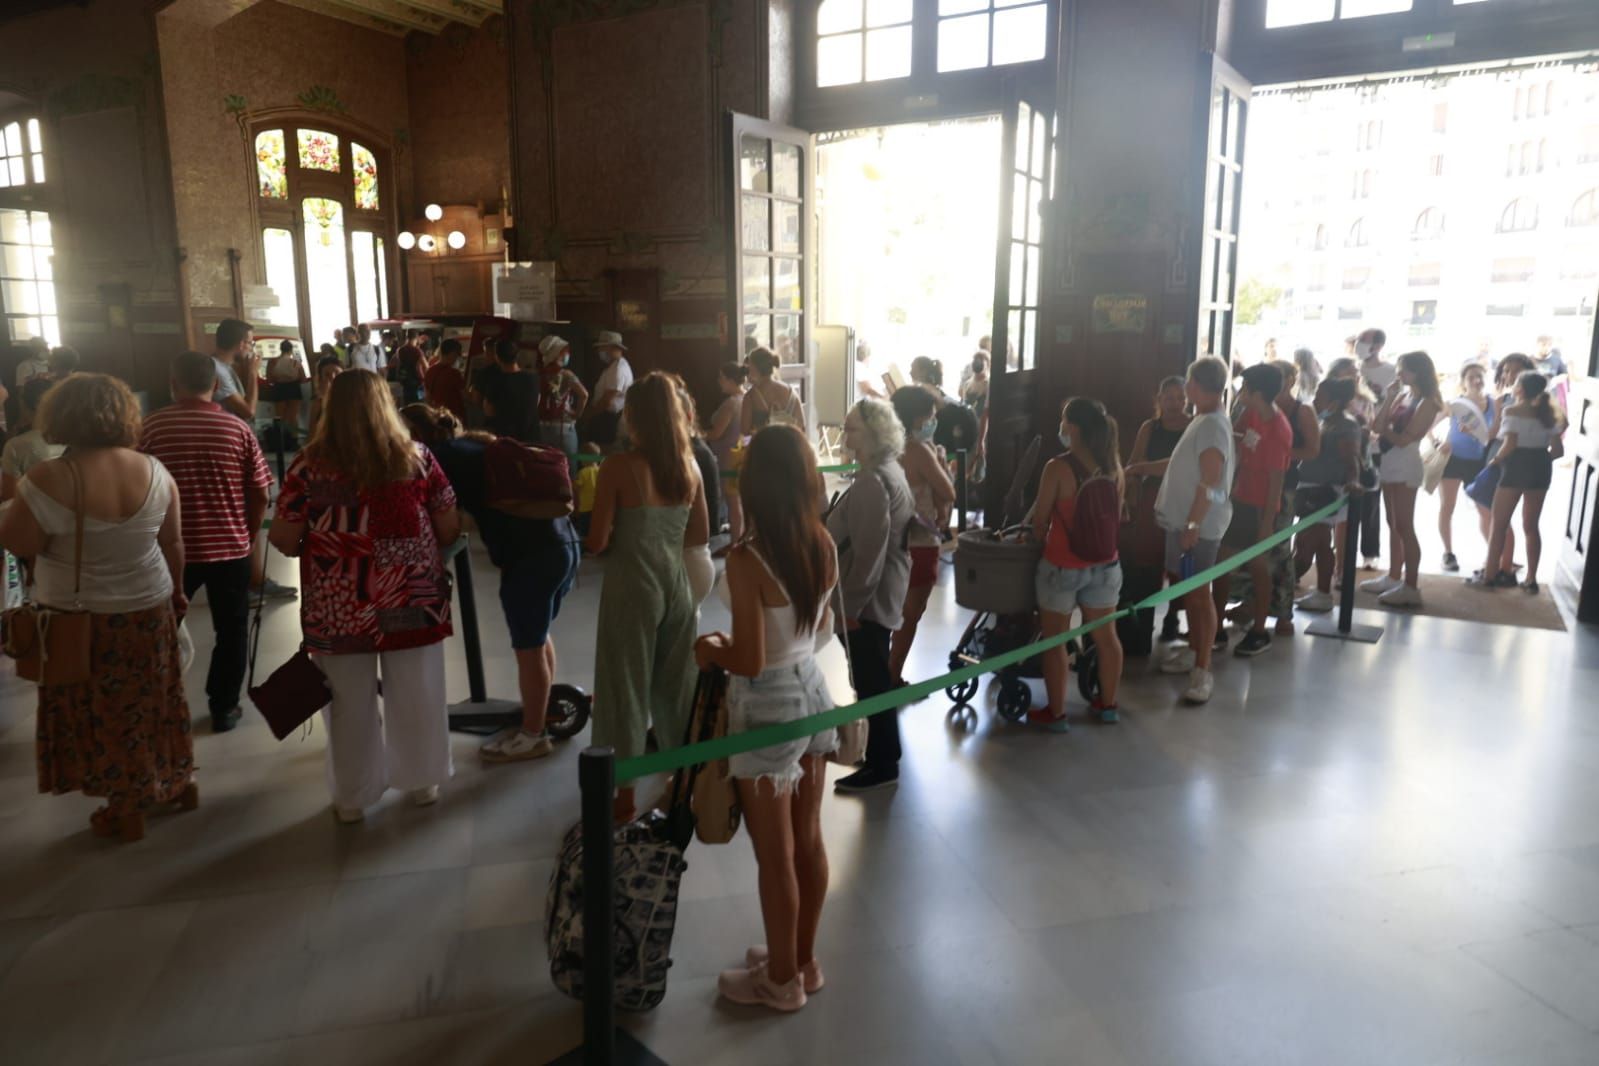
(779, 694)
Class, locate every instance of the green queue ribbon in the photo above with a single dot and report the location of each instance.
(738, 743)
(835, 468)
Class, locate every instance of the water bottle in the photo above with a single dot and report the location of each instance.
(1185, 566)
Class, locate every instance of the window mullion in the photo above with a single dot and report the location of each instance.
(924, 41)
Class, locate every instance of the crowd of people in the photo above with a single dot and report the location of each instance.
(125, 518)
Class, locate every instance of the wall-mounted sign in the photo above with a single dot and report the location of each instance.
(525, 291)
(632, 316)
(1121, 313)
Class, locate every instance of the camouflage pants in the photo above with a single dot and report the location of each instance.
(1279, 563)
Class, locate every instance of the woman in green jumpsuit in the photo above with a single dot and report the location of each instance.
(647, 499)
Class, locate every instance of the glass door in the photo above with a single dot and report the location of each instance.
(1224, 184)
(1025, 176)
(770, 262)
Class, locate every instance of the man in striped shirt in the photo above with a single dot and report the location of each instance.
(222, 480)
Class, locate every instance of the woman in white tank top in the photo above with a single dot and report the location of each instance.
(778, 584)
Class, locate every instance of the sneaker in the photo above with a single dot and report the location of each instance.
(1505, 580)
(753, 988)
(1403, 596)
(1253, 644)
(348, 815)
(1530, 587)
(1178, 660)
(1380, 584)
(274, 591)
(1054, 723)
(1369, 563)
(866, 779)
(1107, 715)
(516, 745)
(811, 973)
(425, 797)
(1316, 601)
(1478, 580)
(1451, 564)
(225, 721)
(1199, 685)
(1220, 643)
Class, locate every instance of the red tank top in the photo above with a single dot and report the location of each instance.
(1057, 545)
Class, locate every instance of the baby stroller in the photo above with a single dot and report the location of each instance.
(994, 574)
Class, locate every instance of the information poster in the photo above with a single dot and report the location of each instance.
(1121, 313)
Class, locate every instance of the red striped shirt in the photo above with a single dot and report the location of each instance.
(213, 457)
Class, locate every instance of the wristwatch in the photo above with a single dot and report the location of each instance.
(1192, 526)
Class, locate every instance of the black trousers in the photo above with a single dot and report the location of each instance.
(227, 590)
(868, 649)
(1371, 525)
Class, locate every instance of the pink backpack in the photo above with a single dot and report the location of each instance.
(1097, 518)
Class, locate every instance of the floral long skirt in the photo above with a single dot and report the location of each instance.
(124, 734)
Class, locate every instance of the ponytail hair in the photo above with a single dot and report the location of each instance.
(735, 373)
(1100, 434)
(1535, 390)
(927, 370)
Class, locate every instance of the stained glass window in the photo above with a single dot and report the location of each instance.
(319, 150)
(366, 177)
(271, 165)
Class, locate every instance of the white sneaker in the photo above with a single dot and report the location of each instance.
(348, 815)
(1199, 685)
(1380, 584)
(1179, 660)
(425, 797)
(1316, 600)
(754, 989)
(1403, 596)
(757, 957)
(516, 745)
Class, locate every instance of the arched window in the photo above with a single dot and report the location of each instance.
(1429, 225)
(1321, 238)
(324, 237)
(1519, 216)
(1585, 212)
(1357, 234)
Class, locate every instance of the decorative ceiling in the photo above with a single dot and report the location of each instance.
(400, 17)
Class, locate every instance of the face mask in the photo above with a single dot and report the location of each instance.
(927, 431)
(1363, 349)
(1065, 439)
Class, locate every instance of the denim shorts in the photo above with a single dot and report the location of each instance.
(1203, 551)
(531, 590)
(779, 694)
(1062, 589)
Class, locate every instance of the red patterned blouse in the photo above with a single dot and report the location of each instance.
(372, 578)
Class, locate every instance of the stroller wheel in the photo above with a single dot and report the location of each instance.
(569, 711)
(963, 691)
(1087, 666)
(1015, 699)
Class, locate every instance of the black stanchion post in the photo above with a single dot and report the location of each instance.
(277, 431)
(478, 714)
(960, 488)
(1346, 628)
(603, 1043)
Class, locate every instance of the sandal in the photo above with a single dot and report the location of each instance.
(106, 823)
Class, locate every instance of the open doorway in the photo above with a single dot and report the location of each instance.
(906, 233)
(1457, 210)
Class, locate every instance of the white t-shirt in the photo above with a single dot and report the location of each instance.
(1176, 496)
(1378, 375)
(29, 369)
(368, 357)
(227, 382)
(1530, 433)
(26, 451)
(618, 376)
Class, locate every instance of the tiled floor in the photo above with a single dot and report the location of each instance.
(1353, 855)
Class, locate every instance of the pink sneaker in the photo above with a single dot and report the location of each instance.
(756, 958)
(753, 988)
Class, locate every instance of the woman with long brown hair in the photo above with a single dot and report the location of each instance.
(648, 504)
(367, 510)
(1410, 407)
(778, 582)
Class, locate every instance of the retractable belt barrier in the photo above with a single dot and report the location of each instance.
(835, 468)
(739, 743)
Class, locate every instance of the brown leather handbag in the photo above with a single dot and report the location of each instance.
(51, 644)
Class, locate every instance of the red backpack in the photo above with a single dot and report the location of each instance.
(526, 480)
(1097, 517)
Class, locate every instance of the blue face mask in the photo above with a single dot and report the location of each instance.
(927, 431)
(566, 357)
(1065, 439)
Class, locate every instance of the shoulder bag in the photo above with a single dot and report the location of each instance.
(50, 644)
(294, 692)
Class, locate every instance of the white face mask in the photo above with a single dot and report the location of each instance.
(1363, 349)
